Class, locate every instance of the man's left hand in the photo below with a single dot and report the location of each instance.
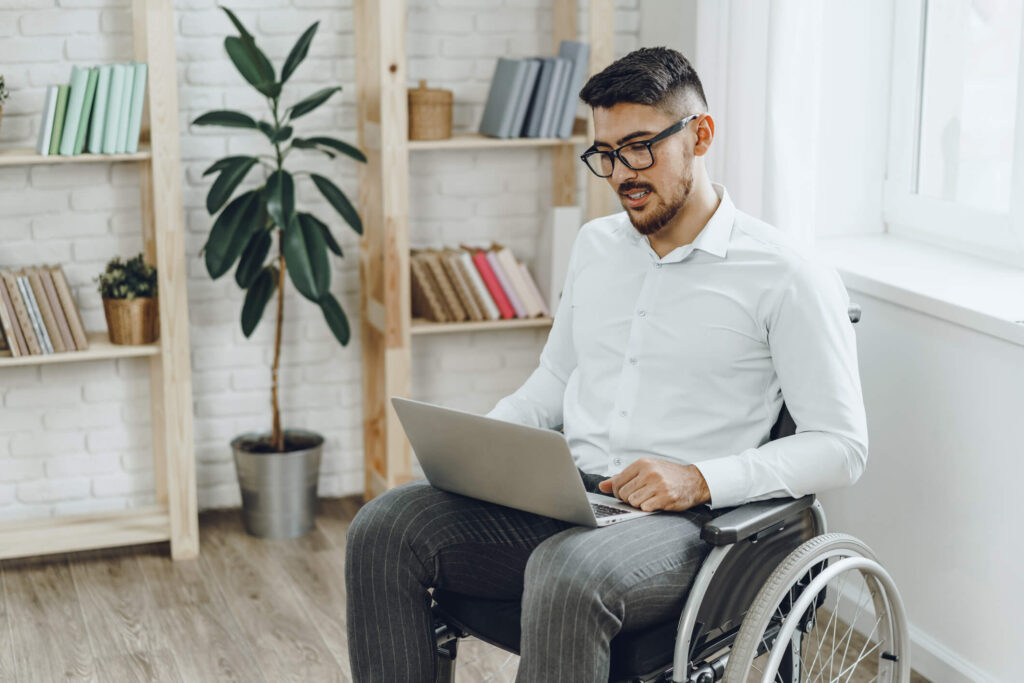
(652, 484)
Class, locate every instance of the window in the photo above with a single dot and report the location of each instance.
(956, 161)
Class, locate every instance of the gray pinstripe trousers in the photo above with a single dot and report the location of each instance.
(579, 586)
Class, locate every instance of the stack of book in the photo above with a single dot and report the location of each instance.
(456, 285)
(536, 97)
(38, 315)
(99, 111)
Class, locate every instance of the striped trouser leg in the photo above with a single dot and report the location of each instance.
(583, 586)
(415, 537)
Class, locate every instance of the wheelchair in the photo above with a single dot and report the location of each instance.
(778, 599)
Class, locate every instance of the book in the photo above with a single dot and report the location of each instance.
(99, 108)
(534, 290)
(539, 99)
(506, 284)
(58, 311)
(121, 139)
(483, 296)
(525, 95)
(112, 122)
(33, 312)
(493, 286)
(426, 299)
(67, 302)
(578, 55)
(451, 299)
(135, 112)
(46, 127)
(45, 312)
(463, 288)
(87, 109)
(554, 250)
(73, 115)
(551, 105)
(511, 267)
(58, 119)
(21, 315)
(506, 85)
(9, 322)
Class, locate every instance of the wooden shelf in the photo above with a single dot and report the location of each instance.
(420, 326)
(26, 156)
(100, 348)
(43, 535)
(478, 141)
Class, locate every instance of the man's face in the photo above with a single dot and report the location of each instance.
(652, 197)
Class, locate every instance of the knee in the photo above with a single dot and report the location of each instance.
(376, 521)
(556, 576)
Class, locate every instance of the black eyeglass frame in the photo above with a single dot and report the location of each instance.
(616, 153)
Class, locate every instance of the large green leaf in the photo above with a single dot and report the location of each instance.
(253, 256)
(275, 134)
(332, 243)
(280, 195)
(253, 65)
(227, 181)
(242, 31)
(221, 164)
(305, 255)
(257, 297)
(339, 201)
(312, 102)
(225, 117)
(231, 232)
(298, 52)
(332, 143)
(335, 317)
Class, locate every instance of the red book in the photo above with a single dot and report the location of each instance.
(491, 280)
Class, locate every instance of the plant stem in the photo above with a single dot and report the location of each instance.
(277, 434)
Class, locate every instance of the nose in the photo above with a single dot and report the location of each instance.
(620, 174)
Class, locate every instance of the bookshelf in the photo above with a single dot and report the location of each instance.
(174, 516)
(387, 327)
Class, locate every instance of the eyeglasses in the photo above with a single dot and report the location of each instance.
(635, 155)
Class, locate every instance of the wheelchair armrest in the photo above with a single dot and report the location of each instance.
(752, 519)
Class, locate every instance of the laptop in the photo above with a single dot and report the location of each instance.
(509, 464)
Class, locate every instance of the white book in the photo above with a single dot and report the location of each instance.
(34, 315)
(553, 253)
(534, 292)
(46, 129)
(490, 308)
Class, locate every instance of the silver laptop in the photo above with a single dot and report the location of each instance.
(520, 467)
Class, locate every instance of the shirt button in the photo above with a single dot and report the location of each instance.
(642, 313)
(616, 462)
(657, 265)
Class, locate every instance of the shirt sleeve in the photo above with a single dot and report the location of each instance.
(539, 401)
(814, 352)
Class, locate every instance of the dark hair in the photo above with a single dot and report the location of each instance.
(656, 76)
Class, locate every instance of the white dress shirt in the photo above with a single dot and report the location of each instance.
(688, 358)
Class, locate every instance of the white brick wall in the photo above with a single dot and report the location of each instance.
(76, 437)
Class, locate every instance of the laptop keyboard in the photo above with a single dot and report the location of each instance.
(605, 510)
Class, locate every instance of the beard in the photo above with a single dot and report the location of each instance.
(648, 220)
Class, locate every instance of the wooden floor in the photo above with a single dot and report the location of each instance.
(247, 610)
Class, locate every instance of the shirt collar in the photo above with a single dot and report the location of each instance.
(713, 238)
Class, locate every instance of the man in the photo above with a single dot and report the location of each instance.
(683, 322)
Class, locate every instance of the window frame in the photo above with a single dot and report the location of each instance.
(964, 228)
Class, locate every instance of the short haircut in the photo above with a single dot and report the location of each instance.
(655, 76)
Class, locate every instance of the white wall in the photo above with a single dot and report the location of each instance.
(940, 500)
(76, 437)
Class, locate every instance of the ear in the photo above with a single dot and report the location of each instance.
(705, 135)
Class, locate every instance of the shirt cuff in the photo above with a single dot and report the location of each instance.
(727, 480)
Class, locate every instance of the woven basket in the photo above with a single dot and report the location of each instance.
(132, 321)
(430, 113)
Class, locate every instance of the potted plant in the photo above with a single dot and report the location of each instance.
(4, 94)
(277, 470)
(129, 301)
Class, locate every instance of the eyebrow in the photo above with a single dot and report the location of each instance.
(635, 134)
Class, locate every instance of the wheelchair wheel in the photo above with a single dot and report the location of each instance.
(829, 612)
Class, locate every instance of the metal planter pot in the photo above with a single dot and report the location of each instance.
(278, 489)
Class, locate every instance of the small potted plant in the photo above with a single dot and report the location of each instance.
(4, 94)
(129, 301)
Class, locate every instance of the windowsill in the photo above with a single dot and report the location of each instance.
(966, 290)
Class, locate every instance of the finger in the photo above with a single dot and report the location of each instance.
(605, 485)
(654, 503)
(622, 479)
(640, 496)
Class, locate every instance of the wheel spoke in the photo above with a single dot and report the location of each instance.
(861, 655)
(848, 636)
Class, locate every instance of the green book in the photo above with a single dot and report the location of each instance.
(99, 109)
(87, 109)
(73, 116)
(121, 144)
(58, 118)
(110, 126)
(135, 116)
